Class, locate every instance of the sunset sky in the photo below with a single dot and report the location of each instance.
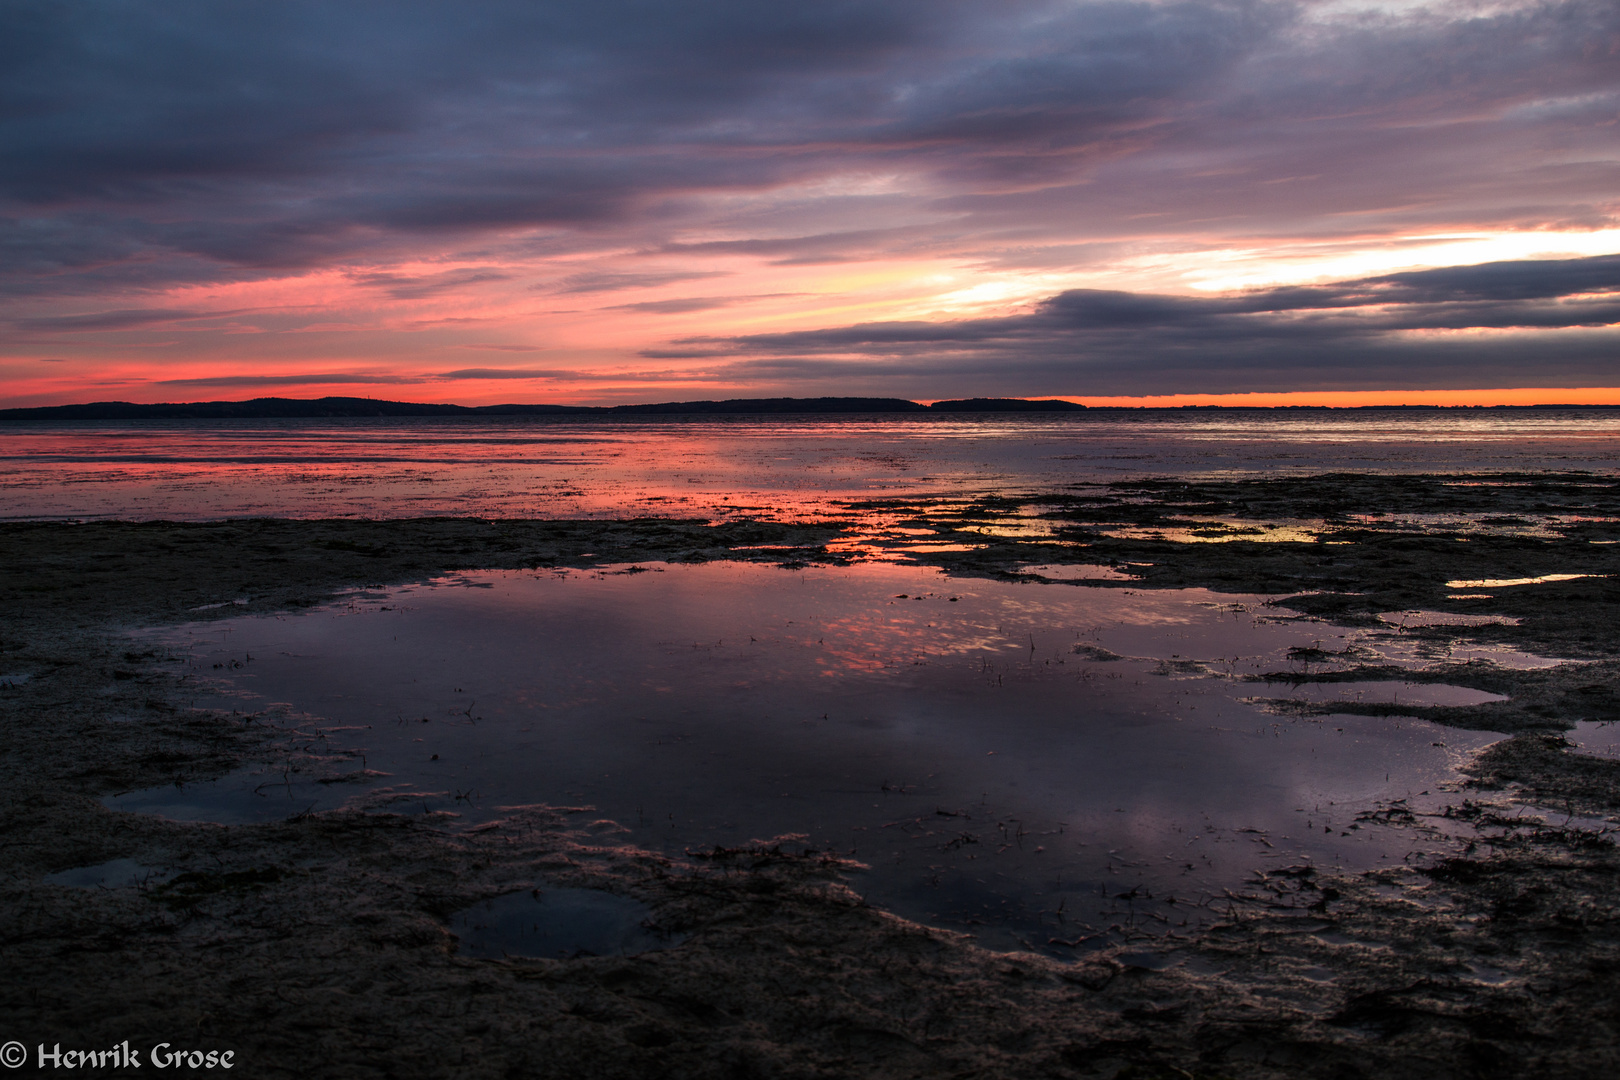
(532, 201)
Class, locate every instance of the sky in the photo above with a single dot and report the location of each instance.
(1335, 201)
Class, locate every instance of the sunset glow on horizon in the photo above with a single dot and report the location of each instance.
(1111, 202)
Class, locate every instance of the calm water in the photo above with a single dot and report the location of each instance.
(763, 466)
(994, 752)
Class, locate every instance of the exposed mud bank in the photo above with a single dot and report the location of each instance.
(319, 945)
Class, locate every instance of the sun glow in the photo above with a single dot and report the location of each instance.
(1232, 269)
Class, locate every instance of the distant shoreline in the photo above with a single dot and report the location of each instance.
(357, 408)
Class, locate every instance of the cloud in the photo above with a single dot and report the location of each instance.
(183, 146)
(681, 306)
(1525, 293)
(421, 286)
(612, 281)
(812, 250)
(286, 380)
(688, 304)
(1370, 330)
(1528, 279)
(683, 354)
(128, 319)
(575, 375)
(181, 140)
(508, 373)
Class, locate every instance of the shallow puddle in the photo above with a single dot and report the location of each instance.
(116, 874)
(1221, 532)
(558, 924)
(1037, 762)
(1596, 737)
(1076, 572)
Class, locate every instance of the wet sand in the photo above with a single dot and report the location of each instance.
(319, 945)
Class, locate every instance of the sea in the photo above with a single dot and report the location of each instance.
(768, 466)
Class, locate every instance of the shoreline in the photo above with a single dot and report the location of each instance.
(330, 408)
(318, 944)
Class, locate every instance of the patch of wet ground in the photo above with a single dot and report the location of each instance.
(319, 944)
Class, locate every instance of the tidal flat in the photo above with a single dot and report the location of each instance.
(1474, 934)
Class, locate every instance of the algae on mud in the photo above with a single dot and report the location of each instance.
(317, 945)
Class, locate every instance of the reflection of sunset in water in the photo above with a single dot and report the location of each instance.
(987, 748)
(764, 467)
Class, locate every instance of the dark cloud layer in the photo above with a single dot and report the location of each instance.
(1097, 341)
(150, 142)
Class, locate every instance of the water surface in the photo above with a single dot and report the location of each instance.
(758, 466)
(1008, 757)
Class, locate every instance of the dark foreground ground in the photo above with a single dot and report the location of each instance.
(317, 946)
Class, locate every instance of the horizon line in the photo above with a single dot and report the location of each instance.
(1542, 397)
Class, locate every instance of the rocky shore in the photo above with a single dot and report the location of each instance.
(319, 945)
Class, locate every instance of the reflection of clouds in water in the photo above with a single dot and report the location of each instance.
(1597, 737)
(1502, 583)
(1219, 532)
(714, 703)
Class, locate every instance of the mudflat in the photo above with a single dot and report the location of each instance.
(322, 944)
